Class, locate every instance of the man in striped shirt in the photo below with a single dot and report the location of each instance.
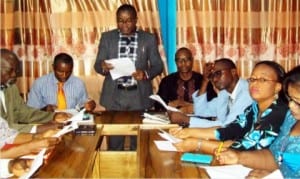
(43, 93)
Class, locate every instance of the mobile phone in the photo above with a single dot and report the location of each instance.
(197, 158)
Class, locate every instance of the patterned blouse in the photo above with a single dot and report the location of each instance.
(286, 149)
(252, 131)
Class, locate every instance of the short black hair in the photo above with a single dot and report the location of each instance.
(189, 52)
(129, 8)
(279, 70)
(228, 63)
(292, 77)
(64, 58)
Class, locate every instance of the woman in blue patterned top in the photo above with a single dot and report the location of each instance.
(257, 127)
(284, 153)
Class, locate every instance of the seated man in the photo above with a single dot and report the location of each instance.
(233, 97)
(45, 92)
(12, 107)
(183, 83)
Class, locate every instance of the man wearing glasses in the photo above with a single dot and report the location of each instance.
(233, 97)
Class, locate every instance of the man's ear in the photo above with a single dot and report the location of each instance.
(233, 71)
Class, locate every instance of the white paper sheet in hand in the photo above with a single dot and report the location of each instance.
(37, 162)
(122, 67)
(161, 101)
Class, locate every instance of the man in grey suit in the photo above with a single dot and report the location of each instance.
(129, 93)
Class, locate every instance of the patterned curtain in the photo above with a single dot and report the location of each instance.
(246, 31)
(37, 30)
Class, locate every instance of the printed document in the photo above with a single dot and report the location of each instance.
(122, 67)
(161, 101)
(227, 171)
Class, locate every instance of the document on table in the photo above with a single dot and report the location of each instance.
(122, 67)
(37, 162)
(165, 145)
(155, 119)
(161, 101)
(275, 174)
(227, 171)
(168, 136)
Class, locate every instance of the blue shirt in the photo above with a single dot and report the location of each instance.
(287, 144)
(217, 107)
(44, 92)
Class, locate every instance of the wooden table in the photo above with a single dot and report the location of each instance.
(73, 158)
(161, 164)
(80, 156)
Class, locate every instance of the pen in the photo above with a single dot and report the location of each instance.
(220, 148)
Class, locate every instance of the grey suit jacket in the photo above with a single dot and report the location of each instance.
(148, 59)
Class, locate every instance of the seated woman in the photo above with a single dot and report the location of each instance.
(284, 153)
(256, 128)
(183, 83)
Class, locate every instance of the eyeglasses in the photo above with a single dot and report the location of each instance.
(292, 100)
(218, 74)
(259, 80)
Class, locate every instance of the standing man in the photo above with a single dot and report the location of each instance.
(130, 93)
(45, 92)
(233, 97)
(18, 115)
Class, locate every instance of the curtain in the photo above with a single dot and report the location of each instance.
(37, 30)
(246, 31)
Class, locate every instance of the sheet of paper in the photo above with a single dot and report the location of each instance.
(227, 171)
(161, 101)
(77, 117)
(276, 174)
(122, 67)
(165, 145)
(156, 118)
(37, 162)
(71, 111)
(168, 136)
(66, 129)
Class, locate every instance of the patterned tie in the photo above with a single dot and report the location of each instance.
(61, 99)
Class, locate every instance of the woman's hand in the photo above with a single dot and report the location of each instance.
(19, 166)
(187, 145)
(227, 156)
(256, 173)
(180, 133)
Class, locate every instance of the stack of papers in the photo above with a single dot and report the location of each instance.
(161, 101)
(155, 119)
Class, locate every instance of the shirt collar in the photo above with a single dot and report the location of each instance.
(235, 90)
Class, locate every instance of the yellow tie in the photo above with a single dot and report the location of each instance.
(61, 99)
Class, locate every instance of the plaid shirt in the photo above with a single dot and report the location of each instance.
(128, 48)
